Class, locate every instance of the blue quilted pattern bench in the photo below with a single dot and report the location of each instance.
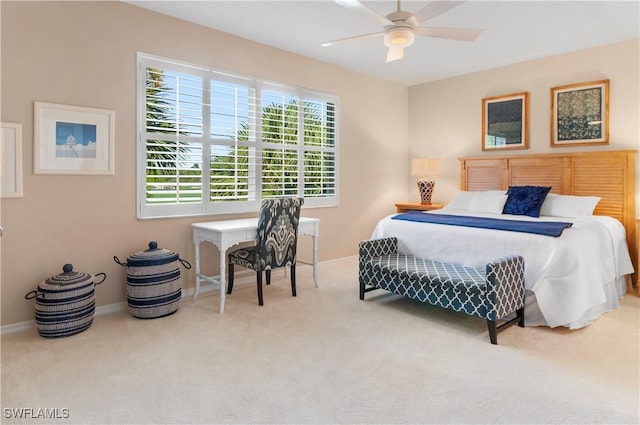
(494, 294)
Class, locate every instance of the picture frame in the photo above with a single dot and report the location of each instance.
(580, 114)
(73, 140)
(505, 122)
(11, 160)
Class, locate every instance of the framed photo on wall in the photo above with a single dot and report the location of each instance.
(505, 122)
(11, 160)
(580, 114)
(73, 140)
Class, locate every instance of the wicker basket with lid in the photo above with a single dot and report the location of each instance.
(65, 303)
(153, 282)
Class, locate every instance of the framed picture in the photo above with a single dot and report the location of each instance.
(73, 140)
(11, 160)
(505, 122)
(580, 114)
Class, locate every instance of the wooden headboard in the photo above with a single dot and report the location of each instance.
(607, 174)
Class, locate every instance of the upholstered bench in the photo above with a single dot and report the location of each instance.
(493, 294)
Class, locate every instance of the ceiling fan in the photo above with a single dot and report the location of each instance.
(401, 27)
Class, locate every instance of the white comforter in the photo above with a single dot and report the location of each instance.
(574, 278)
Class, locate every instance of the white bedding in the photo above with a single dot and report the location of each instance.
(571, 280)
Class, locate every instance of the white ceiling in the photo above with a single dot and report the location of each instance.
(514, 31)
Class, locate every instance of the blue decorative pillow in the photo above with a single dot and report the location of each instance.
(525, 200)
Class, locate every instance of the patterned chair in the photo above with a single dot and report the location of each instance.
(275, 245)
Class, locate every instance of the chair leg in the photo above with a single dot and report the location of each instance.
(259, 283)
(293, 280)
(491, 324)
(268, 273)
(230, 278)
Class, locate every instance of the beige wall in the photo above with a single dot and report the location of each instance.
(445, 116)
(84, 53)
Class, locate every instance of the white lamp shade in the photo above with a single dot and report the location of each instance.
(425, 167)
(399, 37)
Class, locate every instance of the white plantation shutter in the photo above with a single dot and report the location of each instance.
(319, 149)
(212, 143)
(173, 180)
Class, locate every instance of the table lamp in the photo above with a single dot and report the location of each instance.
(424, 168)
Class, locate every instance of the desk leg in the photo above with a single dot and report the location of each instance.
(223, 278)
(195, 294)
(315, 260)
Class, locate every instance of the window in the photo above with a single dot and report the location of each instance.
(213, 143)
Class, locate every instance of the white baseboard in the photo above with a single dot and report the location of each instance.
(17, 327)
(110, 308)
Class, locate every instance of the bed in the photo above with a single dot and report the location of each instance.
(571, 279)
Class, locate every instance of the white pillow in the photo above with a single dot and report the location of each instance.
(462, 201)
(488, 202)
(568, 205)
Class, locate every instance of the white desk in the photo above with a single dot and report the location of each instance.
(227, 233)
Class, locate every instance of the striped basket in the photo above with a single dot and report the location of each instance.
(153, 282)
(65, 303)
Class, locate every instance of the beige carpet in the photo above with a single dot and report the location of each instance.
(323, 357)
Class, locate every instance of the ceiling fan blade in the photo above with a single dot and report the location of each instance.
(355, 37)
(395, 53)
(462, 34)
(432, 10)
(356, 5)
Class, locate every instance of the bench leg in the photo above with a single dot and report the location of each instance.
(364, 289)
(491, 324)
(493, 329)
(520, 314)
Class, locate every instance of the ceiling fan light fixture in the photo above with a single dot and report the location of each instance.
(401, 26)
(399, 36)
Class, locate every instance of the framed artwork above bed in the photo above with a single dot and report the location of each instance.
(505, 122)
(580, 114)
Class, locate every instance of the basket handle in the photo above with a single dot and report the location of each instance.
(118, 262)
(31, 295)
(104, 277)
(185, 263)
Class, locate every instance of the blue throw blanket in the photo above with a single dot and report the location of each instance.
(547, 228)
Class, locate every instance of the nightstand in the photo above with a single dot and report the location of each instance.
(417, 207)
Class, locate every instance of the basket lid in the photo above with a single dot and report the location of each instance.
(68, 277)
(152, 257)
